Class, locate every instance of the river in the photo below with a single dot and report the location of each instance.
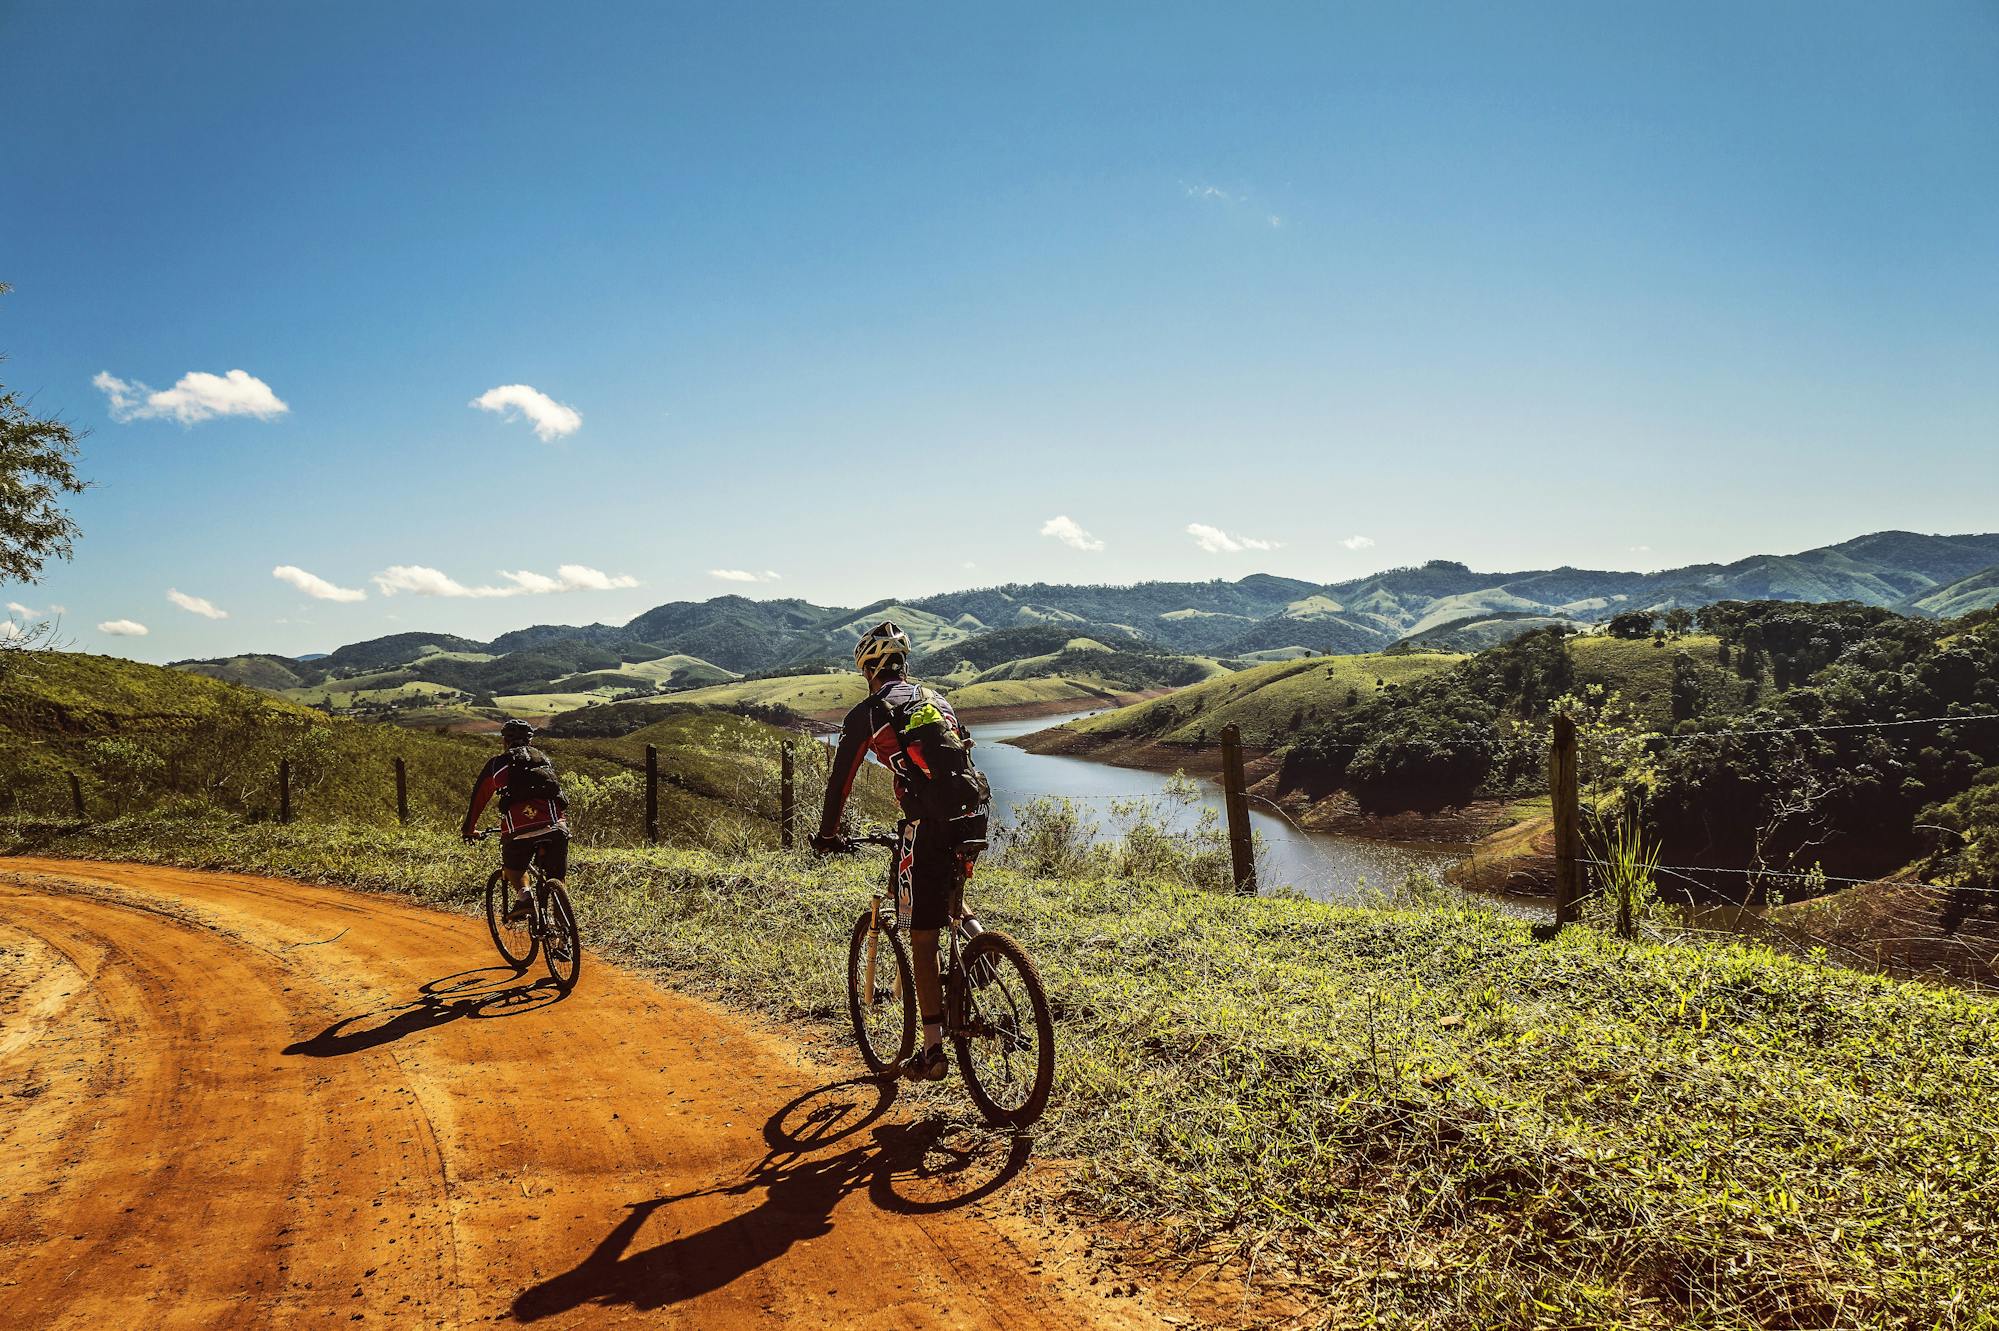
(1322, 865)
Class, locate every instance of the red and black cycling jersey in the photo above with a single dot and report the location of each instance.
(871, 728)
(515, 775)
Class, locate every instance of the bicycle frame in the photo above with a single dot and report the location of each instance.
(962, 928)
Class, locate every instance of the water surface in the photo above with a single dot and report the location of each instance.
(1324, 865)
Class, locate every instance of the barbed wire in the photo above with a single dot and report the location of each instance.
(1797, 875)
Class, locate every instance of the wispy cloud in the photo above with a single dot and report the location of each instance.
(1358, 542)
(551, 419)
(318, 588)
(196, 397)
(744, 575)
(196, 605)
(1246, 200)
(16, 608)
(123, 628)
(1218, 542)
(421, 580)
(1066, 530)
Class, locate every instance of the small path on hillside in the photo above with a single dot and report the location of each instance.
(239, 1101)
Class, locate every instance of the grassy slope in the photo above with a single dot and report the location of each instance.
(144, 736)
(1641, 672)
(1442, 1123)
(1261, 700)
(809, 695)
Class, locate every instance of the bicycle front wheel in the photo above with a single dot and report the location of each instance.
(1006, 1035)
(516, 941)
(881, 995)
(561, 947)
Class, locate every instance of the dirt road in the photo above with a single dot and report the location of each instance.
(233, 1101)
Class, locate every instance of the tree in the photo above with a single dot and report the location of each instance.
(37, 468)
(1679, 620)
(1633, 624)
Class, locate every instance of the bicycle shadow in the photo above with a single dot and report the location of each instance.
(909, 1168)
(476, 994)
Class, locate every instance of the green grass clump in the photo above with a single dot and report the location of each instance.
(1439, 1121)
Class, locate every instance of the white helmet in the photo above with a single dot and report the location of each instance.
(884, 644)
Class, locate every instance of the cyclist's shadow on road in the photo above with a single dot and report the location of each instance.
(913, 1169)
(490, 991)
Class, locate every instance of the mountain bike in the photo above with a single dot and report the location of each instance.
(995, 1009)
(549, 927)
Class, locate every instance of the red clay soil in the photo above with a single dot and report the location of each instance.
(232, 1101)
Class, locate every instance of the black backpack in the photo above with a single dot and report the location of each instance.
(530, 776)
(942, 782)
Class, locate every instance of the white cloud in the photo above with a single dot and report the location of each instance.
(420, 580)
(196, 397)
(318, 588)
(1276, 221)
(1358, 542)
(576, 577)
(1066, 530)
(551, 420)
(123, 628)
(1218, 542)
(744, 575)
(196, 605)
(15, 607)
(1208, 193)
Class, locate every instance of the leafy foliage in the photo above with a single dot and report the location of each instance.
(37, 469)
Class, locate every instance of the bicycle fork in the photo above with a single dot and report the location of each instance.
(874, 936)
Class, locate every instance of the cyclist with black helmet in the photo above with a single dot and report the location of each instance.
(914, 733)
(533, 825)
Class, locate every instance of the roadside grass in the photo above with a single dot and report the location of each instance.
(1436, 1121)
(1267, 702)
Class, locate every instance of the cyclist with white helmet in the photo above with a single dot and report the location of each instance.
(914, 733)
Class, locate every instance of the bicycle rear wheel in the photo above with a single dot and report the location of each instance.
(881, 995)
(561, 947)
(516, 941)
(1006, 1035)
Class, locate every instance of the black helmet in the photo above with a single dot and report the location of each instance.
(516, 733)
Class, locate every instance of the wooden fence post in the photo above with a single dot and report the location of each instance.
(284, 790)
(402, 792)
(76, 795)
(787, 804)
(1562, 790)
(1242, 850)
(652, 795)
(1627, 924)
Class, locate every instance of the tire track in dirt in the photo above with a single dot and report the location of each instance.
(221, 1110)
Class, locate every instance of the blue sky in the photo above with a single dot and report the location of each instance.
(865, 296)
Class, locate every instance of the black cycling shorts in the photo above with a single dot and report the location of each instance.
(549, 852)
(935, 877)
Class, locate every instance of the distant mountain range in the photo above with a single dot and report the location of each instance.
(1256, 617)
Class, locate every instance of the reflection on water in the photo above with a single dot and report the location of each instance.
(1322, 865)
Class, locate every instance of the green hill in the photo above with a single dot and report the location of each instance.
(1268, 703)
(142, 737)
(1476, 632)
(1979, 591)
